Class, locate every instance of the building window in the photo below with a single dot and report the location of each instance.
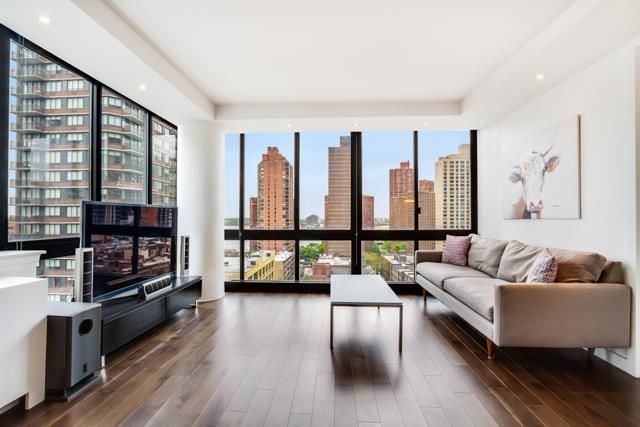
(124, 152)
(31, 186)
(164, 161)
(341, 228)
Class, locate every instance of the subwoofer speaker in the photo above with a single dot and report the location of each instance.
(83, 283)
(73, 347)
(184, 256)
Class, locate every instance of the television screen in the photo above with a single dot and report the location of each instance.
(131, 243)
(112, 262)
(154, 256)
(113, 215)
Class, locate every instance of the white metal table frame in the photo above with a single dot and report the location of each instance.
(362, 302)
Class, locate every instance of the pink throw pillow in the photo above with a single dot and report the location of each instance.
(456, 249)
(544, 269)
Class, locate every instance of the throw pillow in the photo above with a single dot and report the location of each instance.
(456, 249)
(544, 269)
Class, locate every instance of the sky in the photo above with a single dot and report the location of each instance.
(381, 151)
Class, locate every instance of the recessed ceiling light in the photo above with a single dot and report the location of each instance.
(44, 19)
(540, 76)
(424, 124)
(355, 125)
(289, 125)
(142, 86)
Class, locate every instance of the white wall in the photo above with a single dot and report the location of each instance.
(604, 95)
(201, 202)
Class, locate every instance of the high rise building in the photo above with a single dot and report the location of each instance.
(453, 190)
(427, 206)
(401, 197)
(253, 220)
(49, 156)
(275, 196)
(337, 211)
(164, 163)
(124, 148)
(368, 221)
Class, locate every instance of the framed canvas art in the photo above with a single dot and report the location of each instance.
(541, 174)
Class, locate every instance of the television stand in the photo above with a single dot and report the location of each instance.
(124, 320)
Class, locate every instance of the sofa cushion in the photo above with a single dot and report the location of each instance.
(544, 269)
(578, 267)
(437, 272)
(475, 293)
(484, 254)
(456, 249)
(517, 259)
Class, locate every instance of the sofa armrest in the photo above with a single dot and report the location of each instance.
(562, 315)
(428, 256)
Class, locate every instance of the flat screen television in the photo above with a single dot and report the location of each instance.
(131, 244)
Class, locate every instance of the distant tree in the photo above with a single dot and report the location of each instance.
(400, 247)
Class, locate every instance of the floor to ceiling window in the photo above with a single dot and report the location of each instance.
(305, 206)
(64, 138)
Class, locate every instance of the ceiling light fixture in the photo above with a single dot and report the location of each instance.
(44, 19)
(355, 125)
(142, 86)
(540, 76)
(289, 125)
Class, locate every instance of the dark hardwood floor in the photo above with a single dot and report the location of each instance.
(260, 359)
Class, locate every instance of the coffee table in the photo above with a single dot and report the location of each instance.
(365, 290)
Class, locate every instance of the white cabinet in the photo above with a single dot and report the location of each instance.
(23, 328)
(23, 337)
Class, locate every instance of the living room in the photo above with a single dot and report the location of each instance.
(334, 213)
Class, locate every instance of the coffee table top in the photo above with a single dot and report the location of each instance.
(365, 290)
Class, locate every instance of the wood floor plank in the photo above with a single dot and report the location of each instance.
(264, 359)
(305, 388)
(323, 401)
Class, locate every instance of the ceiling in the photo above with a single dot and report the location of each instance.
(278, 65)
(337, 51)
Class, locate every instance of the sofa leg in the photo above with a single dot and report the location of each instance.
(590, 354)
(424, 294)
(491, 349)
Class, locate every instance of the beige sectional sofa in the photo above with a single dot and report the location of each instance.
(589, 306)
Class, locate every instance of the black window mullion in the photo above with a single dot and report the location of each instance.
(96, 143)
(149, 158)
(416, 192)
(356, 201)
(4, 136)
(296, 201)
(473, 174)
(241, 205)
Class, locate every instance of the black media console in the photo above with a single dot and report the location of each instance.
(125, 319)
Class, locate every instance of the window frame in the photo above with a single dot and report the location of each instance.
(57, 247)
(356, 234)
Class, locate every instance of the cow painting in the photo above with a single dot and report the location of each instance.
(529, 177)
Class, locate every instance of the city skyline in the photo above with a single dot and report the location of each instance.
(314, 161)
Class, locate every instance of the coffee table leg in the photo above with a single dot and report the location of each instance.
(331, 326)
(400, 332)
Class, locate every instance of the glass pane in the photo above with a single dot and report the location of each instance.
(320, 260)
(269, 260)
(431, 245)
(49, 147)
(231, 260)
(164, 166)
(59, 273)
(124, 152)
(387, 180)
(325, 180)
(390, 259)
(269, 181)
(445, 180)
(232, 181)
